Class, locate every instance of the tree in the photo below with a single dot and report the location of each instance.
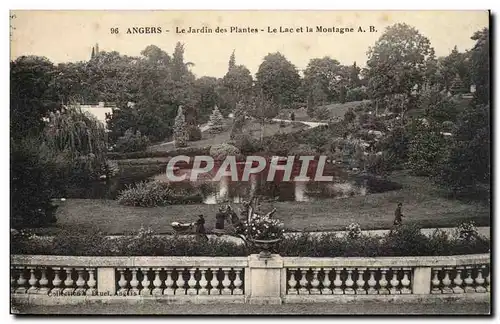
(480, 65)
(236, 86)
(279, 79)
(354, 81)
(31, 98)
(232, 61)
(468, 161)
(180, 129)
(262, 108)
(216, 121)
(207, 97)
(325, 80)
(397, 63)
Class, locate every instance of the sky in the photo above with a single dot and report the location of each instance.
(68, 36)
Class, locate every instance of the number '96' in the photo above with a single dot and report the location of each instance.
(114, 30)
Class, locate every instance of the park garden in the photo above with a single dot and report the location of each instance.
(409, 127)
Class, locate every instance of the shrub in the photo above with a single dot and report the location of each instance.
(221, 151)
(426, 151)
(157, 193)
(237, 127)
(247, 144)
(353, 231)
(180, 129)
(467, 231)
(194, 133)
(264, 228)
(131, 142)
(380, 164)
(349, 115)
(216, 121)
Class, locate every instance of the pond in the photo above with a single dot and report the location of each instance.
(344, 184)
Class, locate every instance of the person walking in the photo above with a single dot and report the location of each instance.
(398, 215)
(200, 227)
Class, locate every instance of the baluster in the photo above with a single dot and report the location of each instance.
(405, 282)
(303, 283)
(57, 290)
(349, 283)
(469, 281)
(337, 282)
(21, 282)
(383, 282)
(315, 282)
(292, 283)
(488, 278)
(480, 280)
(33, 281)
(145, 283)
(180, 283)
(360, 282)
(80, 283)
(457, 289)
(372, 282)
(326, 283)
(134, 283)
(226, 282)
(123, 283)
(203, 283)
(68, 282)
(169, 283)
(237, 282)
(435, 282)
(192, 283)
(447, 281)
(214, 283)
(92, 291)
(44, 290)
(12, 280)
(394, 290)
(157, 283)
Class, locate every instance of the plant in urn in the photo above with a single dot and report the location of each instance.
(263, 231)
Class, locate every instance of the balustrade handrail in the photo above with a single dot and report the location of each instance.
(405, 261)
(132, 261)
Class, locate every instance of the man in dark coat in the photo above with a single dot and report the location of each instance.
(200, 227)
(398, 215)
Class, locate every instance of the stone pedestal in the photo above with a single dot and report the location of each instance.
(263, 279)
(106, 284)
(421, 282)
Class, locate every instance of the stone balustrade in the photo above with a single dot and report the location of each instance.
(66, 279)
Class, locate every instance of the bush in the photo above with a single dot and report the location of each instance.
(216, 121)
(131, 142)
(426, 151)
(247, 144)
(221, 151)
(380, 164)
(194, 133)
(349, 115)
(157, 193)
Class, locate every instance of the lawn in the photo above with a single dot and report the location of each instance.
(252, 128)
(421, 204)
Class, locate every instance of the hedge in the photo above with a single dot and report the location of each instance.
(407, 241)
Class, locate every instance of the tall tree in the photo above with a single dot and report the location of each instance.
(279, 79)
(31, 98)
(397, 63)
(480, 65)
(232, 61)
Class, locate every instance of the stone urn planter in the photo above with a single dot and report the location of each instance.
(265, 246)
